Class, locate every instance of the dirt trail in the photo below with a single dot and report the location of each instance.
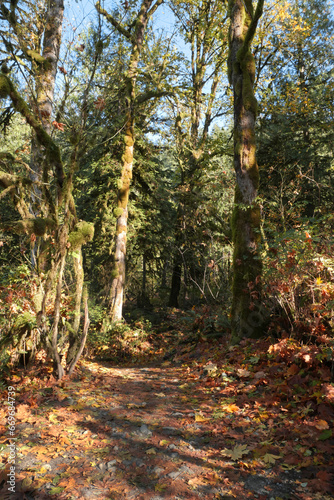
(144, 433)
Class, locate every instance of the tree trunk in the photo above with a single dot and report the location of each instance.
(176, 284)
(247, 316)
(146, 11)
(73, 338)
(45, 77)
(118, 278)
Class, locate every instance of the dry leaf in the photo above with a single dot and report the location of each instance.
(230, 408)
(321, 425)
(270, 459)
(151, 451)
(238, 452)
(200, 418)
(243, 373)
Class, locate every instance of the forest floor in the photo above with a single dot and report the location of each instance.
(212, 422)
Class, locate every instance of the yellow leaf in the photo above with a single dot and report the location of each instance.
(77, 407)
(200, 418)
(166, 363)
(53, 418)
(160, 487)
(26, 482)
(238, 451)
(270, 459)
(164, 442)
(42, 470)
(151, 451)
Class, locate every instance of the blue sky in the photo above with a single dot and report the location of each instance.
(79, 13)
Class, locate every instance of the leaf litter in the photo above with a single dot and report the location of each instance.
(252, 421)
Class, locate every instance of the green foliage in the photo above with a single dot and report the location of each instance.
(121, 341)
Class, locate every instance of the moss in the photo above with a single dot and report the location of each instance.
(248, 65)
(7, 156)
(238, 87)
(25, 321)
(74, 137)
(69, 328)
(114, 274)
(99, 47)
(38, 226)
(127, 157)
(83, 233)
(38, 59)
(118, 212)
(38, 300)
(128, 139)
(247, 266)
(249, 6)
(121, 229)
(4, 86)
(253, 173)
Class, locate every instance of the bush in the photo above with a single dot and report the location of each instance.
(299, 281)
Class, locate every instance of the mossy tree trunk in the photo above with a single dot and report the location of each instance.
(136, 40)
(62, 223)
(247, 317)
(118, 278)
(45, 77)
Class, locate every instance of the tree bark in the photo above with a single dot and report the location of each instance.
(118, 281)
(146, 11)
(247, 316)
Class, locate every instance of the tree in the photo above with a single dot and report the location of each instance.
(55, 221)
(202, 27)
(246, 300)
(296, 118)
(134, 34)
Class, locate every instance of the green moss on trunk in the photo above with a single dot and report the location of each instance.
(247, 316)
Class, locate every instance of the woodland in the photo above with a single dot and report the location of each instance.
(166, 248)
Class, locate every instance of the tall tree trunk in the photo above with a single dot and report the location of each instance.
(247, 317)
(73, 337)
(146, 11)
(118, 281)
(45, 77)
(176, 283)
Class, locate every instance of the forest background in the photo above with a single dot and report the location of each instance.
(119, 144)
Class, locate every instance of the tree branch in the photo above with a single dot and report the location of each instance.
(7, 89)
(151, 95)
(113, 21)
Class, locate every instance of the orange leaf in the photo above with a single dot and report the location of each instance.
(321, 425)
(230, 408)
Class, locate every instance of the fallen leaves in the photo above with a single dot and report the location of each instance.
(236, 453)
(113, 430)
(268, 458)
(151, 451)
